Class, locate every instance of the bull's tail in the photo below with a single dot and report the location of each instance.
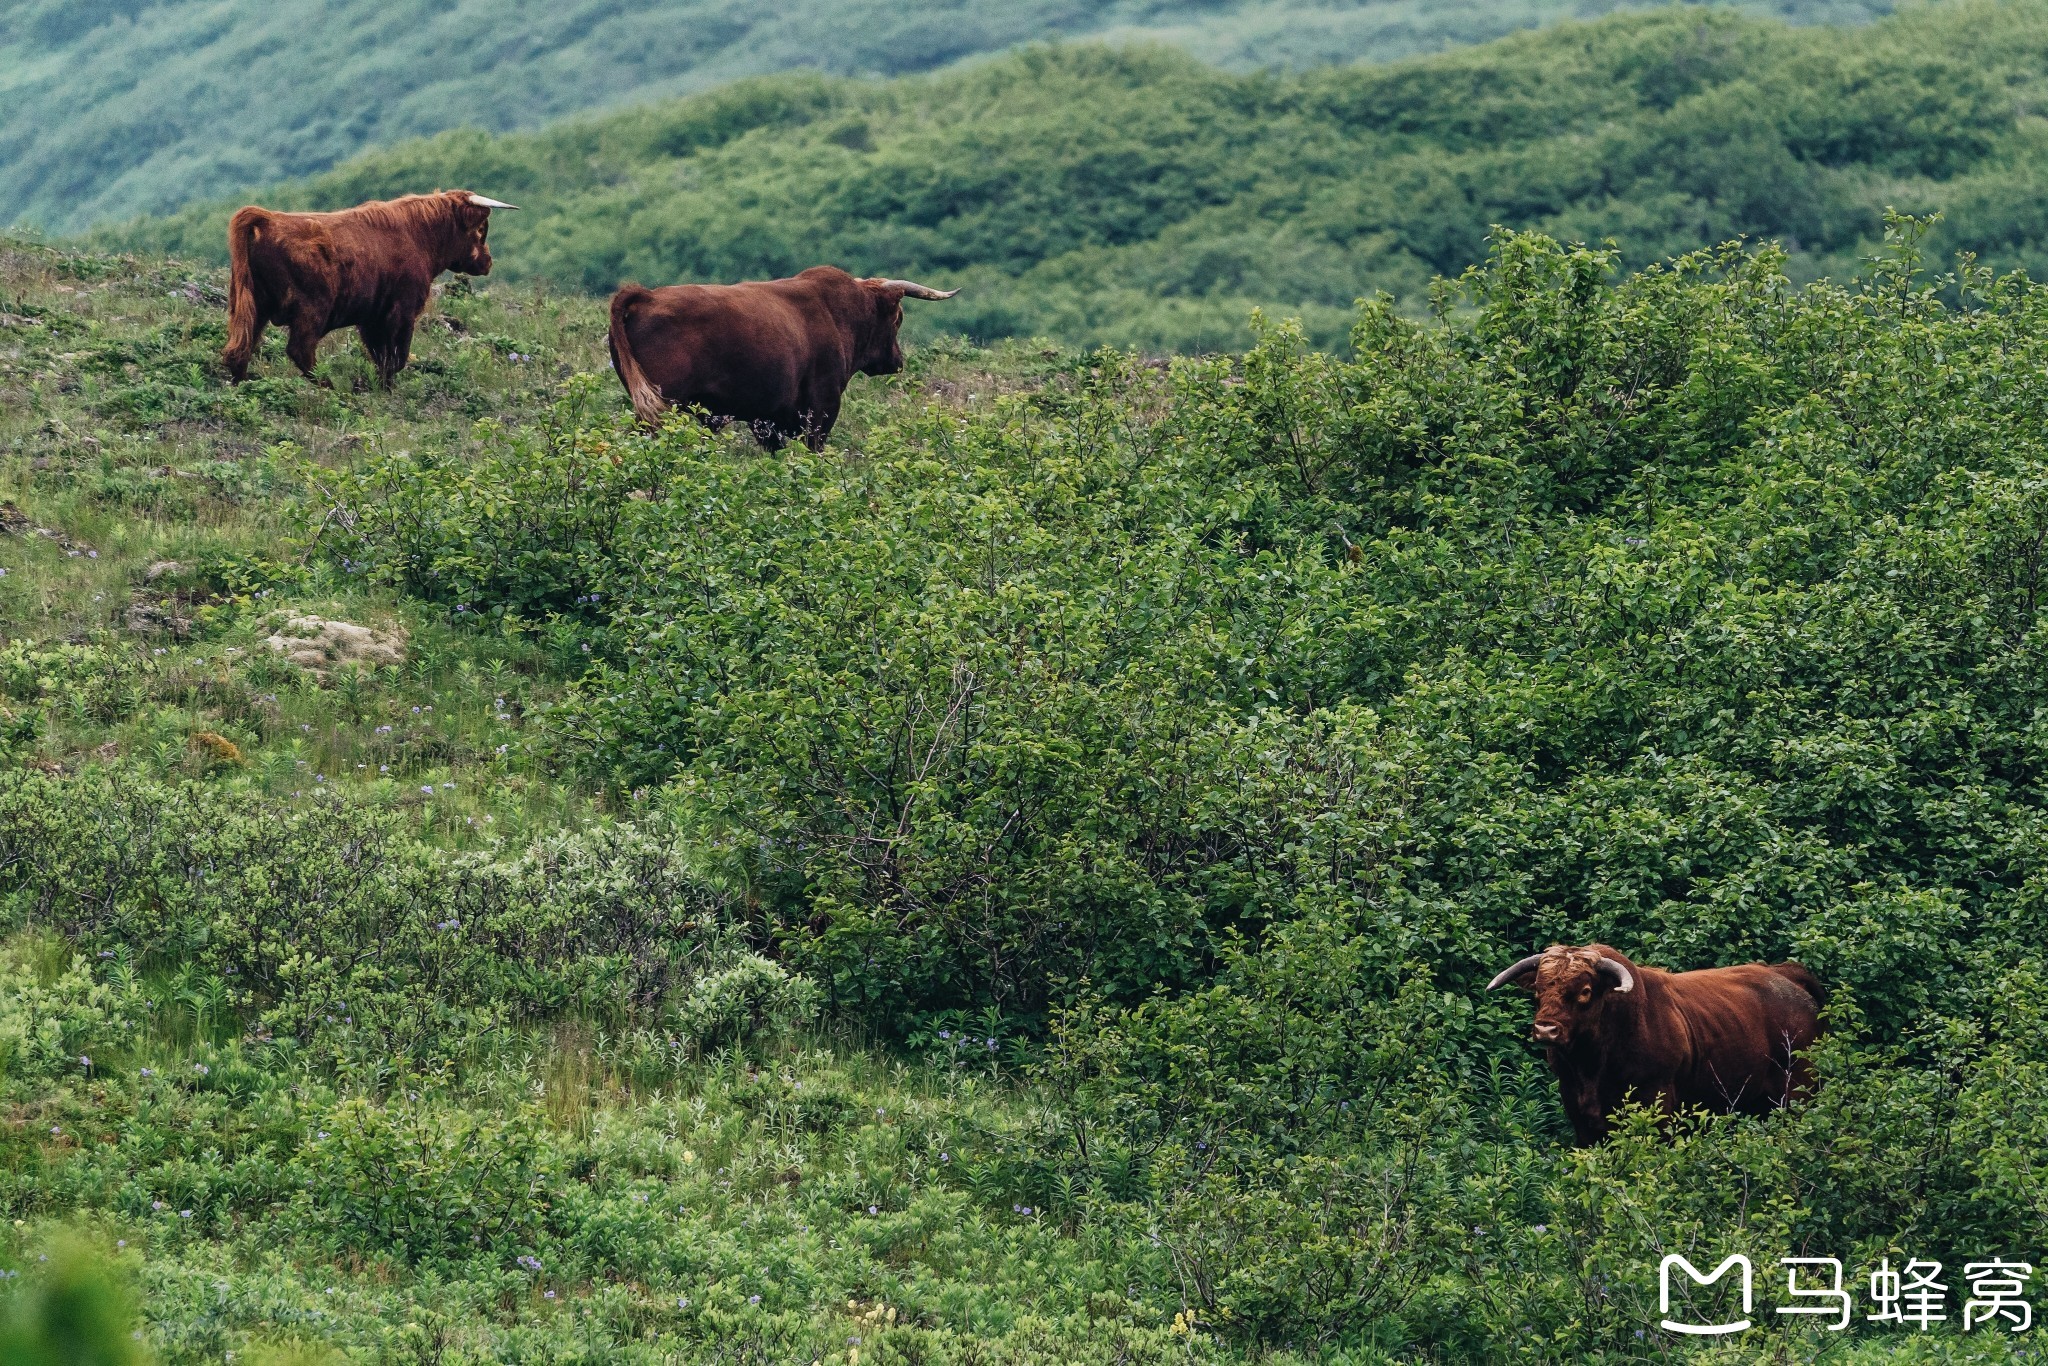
(245, 313)
(1802, 977)
(648, 404)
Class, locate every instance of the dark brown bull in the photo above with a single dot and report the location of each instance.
(1720, 1039)
(776, 354)
(370, 268)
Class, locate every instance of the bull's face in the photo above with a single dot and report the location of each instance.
(473, 252)
(885, 338)
(881, 345)
(1572, 988)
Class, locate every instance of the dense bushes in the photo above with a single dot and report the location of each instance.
(335, 913)
(1243, 718)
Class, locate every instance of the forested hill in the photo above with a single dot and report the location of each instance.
(110, 108)
(1142, 198)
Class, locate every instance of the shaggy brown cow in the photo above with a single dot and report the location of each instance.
(1722, 1039)
(369, 268)
(776, 354)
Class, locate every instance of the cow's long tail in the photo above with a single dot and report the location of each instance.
(245, 317)
(648, 404)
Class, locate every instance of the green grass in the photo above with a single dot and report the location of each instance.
(120, 440)
(762, 1208)
(124, 453)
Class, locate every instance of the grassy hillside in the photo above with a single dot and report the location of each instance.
(109, 108)
(1019, 885)
(1143, 199)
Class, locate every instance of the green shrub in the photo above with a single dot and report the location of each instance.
(739, 1001)
(422, 1182)
(53, 1023)
(332, 914)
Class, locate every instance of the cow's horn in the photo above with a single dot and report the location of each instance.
(483, 203)
(1519, 970)
(912, 289)
(1624, 980)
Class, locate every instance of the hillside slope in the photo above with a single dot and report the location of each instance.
(110, 108)
(1142, 198)
(1017, 886)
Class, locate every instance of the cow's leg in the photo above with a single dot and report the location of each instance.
(773, 432)
(1588, 1127)
(304, 347)
(1581, 1106)
(389, 346)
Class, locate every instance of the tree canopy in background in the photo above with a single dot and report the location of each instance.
(1142, 198)
(110, 108)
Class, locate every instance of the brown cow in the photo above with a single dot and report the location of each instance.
(1721, 1039)
(776, 354)
(369, 268)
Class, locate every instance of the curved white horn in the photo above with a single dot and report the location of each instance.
(1520, 969)
(914, 290)
(482, 203)
(1624, 980)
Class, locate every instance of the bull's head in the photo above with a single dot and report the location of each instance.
(1572, 987)
(883, 352)
(472, 254)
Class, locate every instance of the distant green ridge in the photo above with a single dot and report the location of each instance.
(109, 108)
(1139, 197)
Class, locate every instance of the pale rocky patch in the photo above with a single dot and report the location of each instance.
(320, 646)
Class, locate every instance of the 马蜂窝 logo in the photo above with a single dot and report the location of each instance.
(1913, 1295)
(1703, 1329)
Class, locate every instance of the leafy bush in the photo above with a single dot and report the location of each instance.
(516, 532)
(735, 1003)
(54, 1017)
(423, 1182)
(334, 914)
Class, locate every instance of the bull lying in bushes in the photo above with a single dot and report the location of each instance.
(1721, 1039)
